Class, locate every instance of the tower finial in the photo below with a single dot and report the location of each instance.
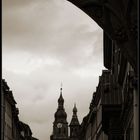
(61, 88)
(61, 100)
(74, 108)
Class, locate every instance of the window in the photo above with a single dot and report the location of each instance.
(64, 130)
(59, 130)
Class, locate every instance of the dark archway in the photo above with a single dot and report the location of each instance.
(118, 19)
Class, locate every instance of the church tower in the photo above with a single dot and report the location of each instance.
(74, 125)
(60, 125)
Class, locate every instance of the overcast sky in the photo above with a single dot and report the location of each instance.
(44, 43)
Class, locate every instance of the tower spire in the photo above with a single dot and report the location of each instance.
(74, 110)
(74, 124)
(61, 88)
(60, 100)
(74, 120)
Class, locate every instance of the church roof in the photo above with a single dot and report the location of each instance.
(60, 113)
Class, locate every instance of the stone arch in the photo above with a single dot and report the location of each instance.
(118, 19)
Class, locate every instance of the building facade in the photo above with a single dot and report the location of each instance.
(9, 114)
(60, 124)
(123, 81)
(25, 131)
(114, 113)
(11, 127)
(119, 21)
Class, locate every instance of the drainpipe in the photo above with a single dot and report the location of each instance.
(125, 135)
(136, 115)
(134, 85)
(2, 114)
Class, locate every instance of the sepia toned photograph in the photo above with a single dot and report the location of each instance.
(70, 70)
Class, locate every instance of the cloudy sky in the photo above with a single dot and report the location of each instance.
(46, 42)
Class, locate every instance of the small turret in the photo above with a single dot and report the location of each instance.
(74, 125)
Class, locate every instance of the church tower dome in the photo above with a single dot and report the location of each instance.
(60, 113)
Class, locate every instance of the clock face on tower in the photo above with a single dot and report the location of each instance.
(59, 125)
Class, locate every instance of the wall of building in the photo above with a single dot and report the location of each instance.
(115, 100)
(10, 124)
(8, 121)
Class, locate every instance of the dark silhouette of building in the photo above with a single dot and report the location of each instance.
(25, 131)
(60, 124)
(74, 125)
(9, 113)
(11, 127)
(114, 110)
(116, 100)
(34, 138)
(124, 81)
